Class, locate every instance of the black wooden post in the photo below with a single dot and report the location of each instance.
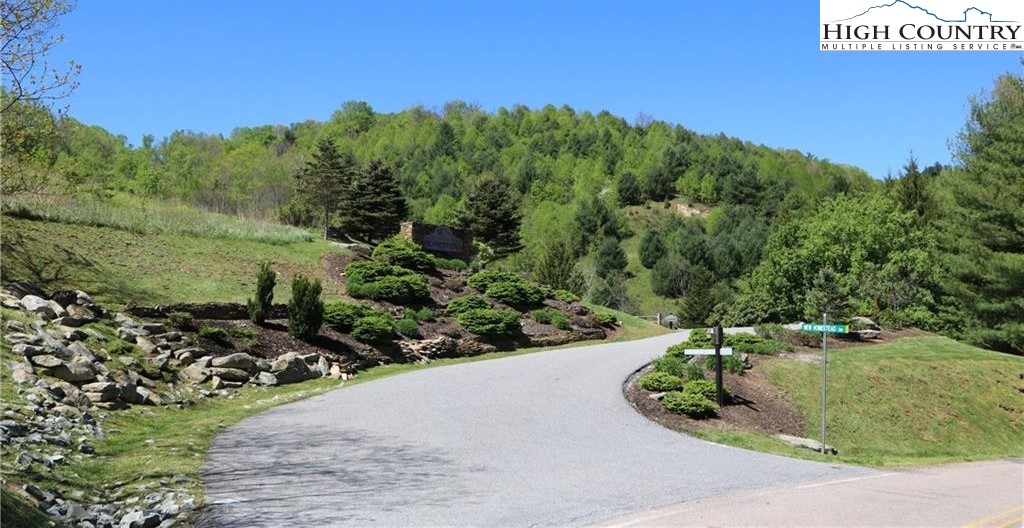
(716, 336)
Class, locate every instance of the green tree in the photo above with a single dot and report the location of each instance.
(629, 190)
(651, 248)
(305, 309)
(556, 267)
(29, 35)
(610, 258)
(912, 191)
(983, 239)
(491, 213)
(376, 205)
(324, 181)
(262, 304)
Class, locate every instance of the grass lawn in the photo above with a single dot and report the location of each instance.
(117, 266)
(918, 400)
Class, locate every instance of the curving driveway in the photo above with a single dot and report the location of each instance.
(538, 439)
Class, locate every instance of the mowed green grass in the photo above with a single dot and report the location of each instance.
(119, 267)
(915, 401)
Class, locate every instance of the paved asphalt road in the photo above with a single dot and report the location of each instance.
(538, 439)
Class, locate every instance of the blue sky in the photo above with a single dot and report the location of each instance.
(749, 69)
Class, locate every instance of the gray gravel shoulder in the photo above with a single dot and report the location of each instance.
(538, 439)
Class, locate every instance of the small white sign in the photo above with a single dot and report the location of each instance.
(726, 351)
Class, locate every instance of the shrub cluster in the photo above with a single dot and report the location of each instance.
(453, 264)
(731, 364)
(605, 318)
(488, 321)
(213, 333)
(745, 342)
(689, 403)
(384, 282)
(552, 317)
(481, 281)
(660, 381)
(679, 367)
(465, 303)
(566, 296)
(399, 251)
(508, 288)
(361, 322)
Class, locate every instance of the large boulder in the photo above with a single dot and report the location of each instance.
(291, 368)
(194, 373)
(230, 374)
(43, 308)
(238, 360)
(73, 372)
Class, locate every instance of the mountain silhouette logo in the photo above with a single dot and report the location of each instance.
(926, 11)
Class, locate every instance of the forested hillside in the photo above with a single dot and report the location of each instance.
(642, 215)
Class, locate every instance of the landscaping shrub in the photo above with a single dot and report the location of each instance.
(213, 333)
(384, 282)
(372, 329)
(453, 264)
(482, 280)
(704, 388)
(422, 315)
(515, 293)
(241, 332)
(753, 344)
(305, 309)
(660, 381)
(342, 316)
(729, 364)
(488, 321)
(399, 251)
(181, 320)
(552, 317)
(465, 303)
(605, 318)
(566, 296)
(689, 403)
(407, 326)
(261, 305)
(675, 366)
(774, 332)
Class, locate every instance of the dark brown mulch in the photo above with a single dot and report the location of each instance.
(756, 404)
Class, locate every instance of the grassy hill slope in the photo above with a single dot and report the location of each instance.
(914, 401)
(119, 266)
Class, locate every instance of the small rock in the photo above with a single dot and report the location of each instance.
(230, 374)
(82, 351)
(46, 361)
(145, 344)
(139, 519)
(153, 328)
(266, 378)
(239, 360)
(19, 337)
(41, 307)
(69, 321)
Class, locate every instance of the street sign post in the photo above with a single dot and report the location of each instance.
(719, 339)
(825, 330)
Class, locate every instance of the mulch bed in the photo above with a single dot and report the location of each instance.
(756, 404)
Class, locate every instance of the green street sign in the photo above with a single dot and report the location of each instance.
(830, 328)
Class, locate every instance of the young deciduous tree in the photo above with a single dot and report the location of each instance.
(29, 34)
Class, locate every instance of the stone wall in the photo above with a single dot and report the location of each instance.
(440, 240)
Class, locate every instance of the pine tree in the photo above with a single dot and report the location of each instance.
(651, 249)
(324, 181)
(491, 213)
(376, 206)
(629, 190)
(305, 309)
(556, 268)
(260, 307)
(610, 258)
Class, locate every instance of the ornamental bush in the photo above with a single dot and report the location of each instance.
(566, 296)
(372, 329)
(689, 403)
(729, 364)
(465, 303)
(675, 366)
(605, 318)
(552, 317)
(342, 316)
(705, 388)
(260, 306)
(453, 264)
(213, 333)
(407, 326)
(515, 293)
(660, 381)
(384, 282)
(399, 251)
(481, 281)
(305, 309)
(488, 321)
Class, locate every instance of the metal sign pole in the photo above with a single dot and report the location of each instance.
(824, 377)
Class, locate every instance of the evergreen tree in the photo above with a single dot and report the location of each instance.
(324, 181)
(491, 213)
(912, 191)
(261, 305)
(556, 268)
(610, 258)
(651, 249)
(629, 190)
(305, 309)
(376, 206)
